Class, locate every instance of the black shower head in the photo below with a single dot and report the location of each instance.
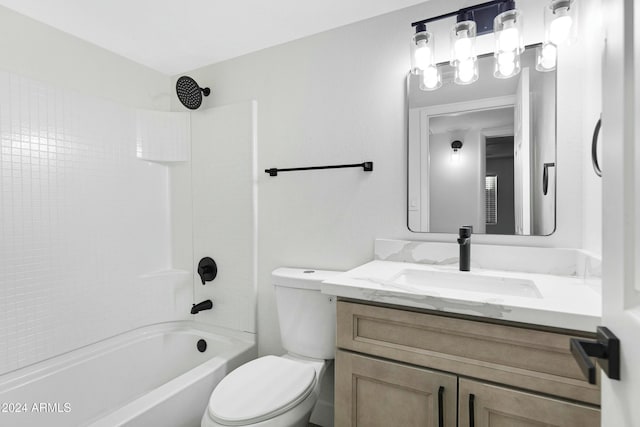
(189, 93)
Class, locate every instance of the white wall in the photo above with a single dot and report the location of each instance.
(455, 188)
(35, 50)
(591, 48)
(339, 97)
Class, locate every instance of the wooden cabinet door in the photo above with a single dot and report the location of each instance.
(485, 405)
(372, 392)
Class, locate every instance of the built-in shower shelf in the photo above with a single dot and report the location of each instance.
(163, 136)
(170, 274)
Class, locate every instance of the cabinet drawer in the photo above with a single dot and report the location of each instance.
(370, 392)
(495, 406)
(526, 358)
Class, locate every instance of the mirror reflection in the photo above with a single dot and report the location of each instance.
(483, 154)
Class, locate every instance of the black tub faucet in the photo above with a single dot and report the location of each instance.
(464, 240)
(204, 305)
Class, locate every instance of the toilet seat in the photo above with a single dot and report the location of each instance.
(261, 389)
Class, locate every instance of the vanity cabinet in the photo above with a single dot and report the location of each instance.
(378, 393)
(495, 406)
(392, 363)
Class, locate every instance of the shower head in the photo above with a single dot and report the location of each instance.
(189, 93)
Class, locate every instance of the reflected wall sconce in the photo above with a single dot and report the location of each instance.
(501, 18)
(456, 147)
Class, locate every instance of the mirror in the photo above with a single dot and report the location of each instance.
(483, 154)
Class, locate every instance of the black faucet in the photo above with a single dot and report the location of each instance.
(204, 305)
(464, 240)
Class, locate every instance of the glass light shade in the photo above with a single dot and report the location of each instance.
(560, 22)
(463, 56)
(431, 78)
(507, 28)
(466, 72)
(506, 65)
(546, 57)
(421, 51)
(463, 40)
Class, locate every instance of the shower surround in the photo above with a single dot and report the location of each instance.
(85, 233)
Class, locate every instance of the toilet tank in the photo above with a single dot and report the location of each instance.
(307, 317)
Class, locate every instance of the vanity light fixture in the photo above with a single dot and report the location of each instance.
(505, 21)
(463, 56)
(559, 19)
(559, 28)
(471, 21)
(456, 146)
(422, 63)
(507, 28)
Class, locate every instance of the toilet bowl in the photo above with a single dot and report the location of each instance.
(269, 391)
(282, 390)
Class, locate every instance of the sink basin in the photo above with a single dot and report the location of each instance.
(422, 280)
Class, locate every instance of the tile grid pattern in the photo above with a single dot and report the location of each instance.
(80, 219)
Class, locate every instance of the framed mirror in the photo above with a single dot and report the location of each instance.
(483, 154)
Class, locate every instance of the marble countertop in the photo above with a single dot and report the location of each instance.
(567, 302)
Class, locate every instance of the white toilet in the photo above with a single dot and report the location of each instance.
(282, 390)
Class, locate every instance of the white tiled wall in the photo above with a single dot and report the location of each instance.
(81, 220)
(223, 170)
(163, 136)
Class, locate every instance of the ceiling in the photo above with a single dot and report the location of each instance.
(480, 119)
(173, 36)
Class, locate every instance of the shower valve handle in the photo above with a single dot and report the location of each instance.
(207, 269)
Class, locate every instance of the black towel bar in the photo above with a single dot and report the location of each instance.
(366, 166)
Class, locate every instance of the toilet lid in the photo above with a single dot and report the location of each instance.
(260, 390)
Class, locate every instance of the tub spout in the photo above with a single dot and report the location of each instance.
(204, 305)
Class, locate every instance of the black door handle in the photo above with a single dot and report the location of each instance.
(472, 410)
(606, 348)
(594, 148)
(545, 177)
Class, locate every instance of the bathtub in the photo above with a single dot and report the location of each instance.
(152, 376)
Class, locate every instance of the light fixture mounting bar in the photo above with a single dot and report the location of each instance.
(482, 14)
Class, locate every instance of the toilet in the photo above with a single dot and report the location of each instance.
(282, 390)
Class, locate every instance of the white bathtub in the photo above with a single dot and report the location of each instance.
(152, 376)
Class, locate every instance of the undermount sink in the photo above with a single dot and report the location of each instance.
(424, 280)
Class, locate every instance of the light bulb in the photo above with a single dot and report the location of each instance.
(455, 157)
(430, 77)
(463, 47)
(506, 58)
(466, 70)
(560, 29)
(422, 55)
(509, 39)
(506, 64)
(547, 57)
